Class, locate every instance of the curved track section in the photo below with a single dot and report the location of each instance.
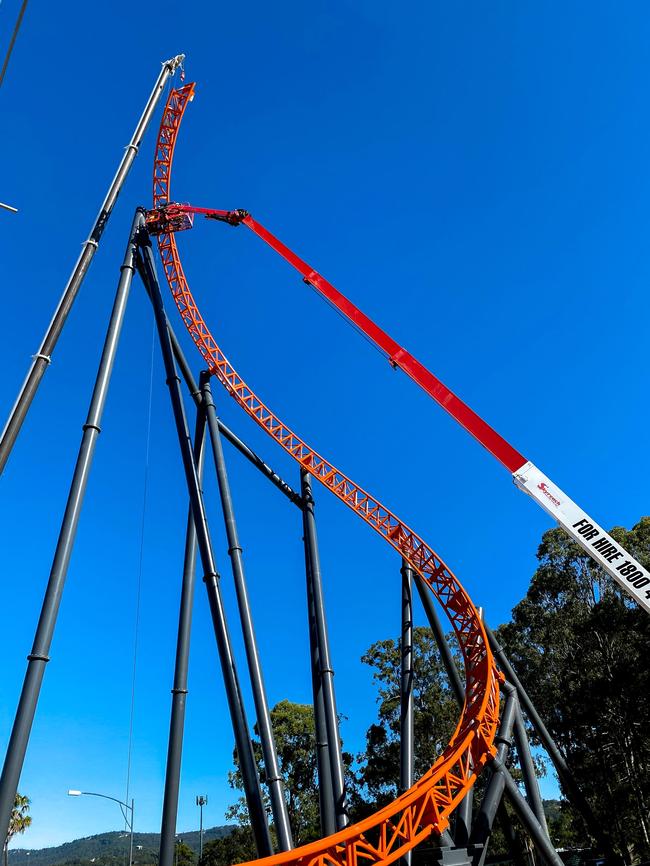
(425, 808)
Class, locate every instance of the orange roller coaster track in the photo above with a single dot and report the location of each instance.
(425, 808)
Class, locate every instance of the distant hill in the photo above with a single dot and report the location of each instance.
(552, 809)
(108, 849)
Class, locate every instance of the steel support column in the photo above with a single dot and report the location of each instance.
(179, 689)
(496, 782)
(42, 358)
(406, 681)
(526, 816)
(455, 680)
(325, 791)
(406, 688)
(186, 372)
(528, 769)
(512, 839)
(245, 754)
(39, 655)
(565, 775)
(463, 814)
(326, 670)
(502, 782)
(269, 752)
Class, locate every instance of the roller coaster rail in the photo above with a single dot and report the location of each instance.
(435, 811)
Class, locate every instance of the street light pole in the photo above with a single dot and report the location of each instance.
(201, 801)
(124, 808)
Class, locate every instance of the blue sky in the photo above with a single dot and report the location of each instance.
(474, 176)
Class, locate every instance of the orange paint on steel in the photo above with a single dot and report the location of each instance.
(425, 808)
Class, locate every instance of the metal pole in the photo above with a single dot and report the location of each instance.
(496, 783)
(325, 790)
(406, 688)
(528, 819)
(565, 775)
(244, 449)
(179, 689)
(455, 680)
(39, 657)
(528, 770)
(463, 825)
(131, 840)
(291, 494)
(326, 670)
(247, 764)
(501, 781)
(269, 753)
(464, 811)
(201, 801)
(42, 358)
(512, 839)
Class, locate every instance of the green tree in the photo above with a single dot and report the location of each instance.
(564, 826)
(295, 739)
(581, 647)
(435, 714)
(19, 821)
(237, 847)
(183, 854)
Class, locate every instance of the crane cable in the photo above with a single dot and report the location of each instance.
(138, 594)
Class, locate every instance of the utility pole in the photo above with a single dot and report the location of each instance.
(201, 801)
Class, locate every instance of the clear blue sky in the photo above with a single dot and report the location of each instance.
(474, 176)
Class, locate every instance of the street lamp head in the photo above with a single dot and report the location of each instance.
(74, 793)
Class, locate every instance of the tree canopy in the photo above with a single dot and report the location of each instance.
(295, 739)
(581, 646)
(435, 714)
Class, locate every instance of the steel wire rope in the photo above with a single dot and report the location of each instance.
(138, 597)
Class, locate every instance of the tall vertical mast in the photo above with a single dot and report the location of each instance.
(43, 356)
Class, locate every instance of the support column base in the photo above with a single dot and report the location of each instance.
(453, 856)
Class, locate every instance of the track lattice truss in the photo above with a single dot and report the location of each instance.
(425, 808)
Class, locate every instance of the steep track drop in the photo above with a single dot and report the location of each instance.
(425, 808)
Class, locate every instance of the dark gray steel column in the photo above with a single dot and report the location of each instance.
(247, 763)
(291, 494)
(42, 358)
(406, 688)
(567, 778)
(463, 814)
(325, 791)
(514, 843)
(179, 690)
(528, 819)
(269, 752)
(496, 783)
(455, 680)
(406, 685)
(463, 825)
(39, 655)
(244, 449)
(502, 782)
(528, 770)
(326, 670)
